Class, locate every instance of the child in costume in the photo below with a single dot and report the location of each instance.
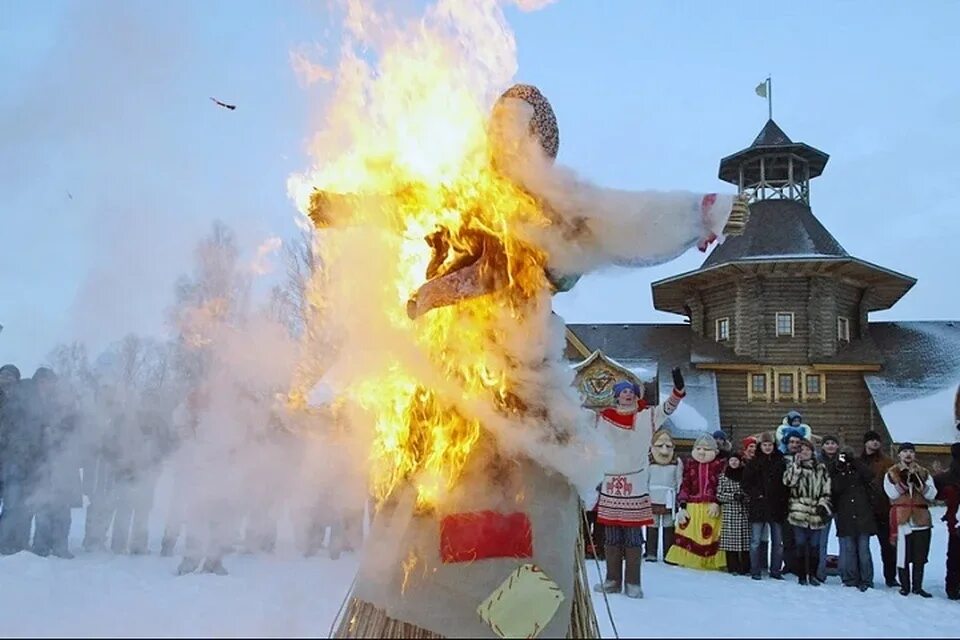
(666, 471)
(624, 508)
(697, 542)
(735, 531)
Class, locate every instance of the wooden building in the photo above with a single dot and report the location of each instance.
(778, 319)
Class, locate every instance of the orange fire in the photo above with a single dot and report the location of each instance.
(406, 157)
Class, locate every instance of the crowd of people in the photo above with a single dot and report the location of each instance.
(767, 508)
(58, 454)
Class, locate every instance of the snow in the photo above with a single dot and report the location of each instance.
(98, 594)
(927, 419)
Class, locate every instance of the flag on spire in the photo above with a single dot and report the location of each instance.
(762, 89)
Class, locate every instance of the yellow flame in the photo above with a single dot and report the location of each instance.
(417, 155)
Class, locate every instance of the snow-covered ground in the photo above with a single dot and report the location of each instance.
(100, 594)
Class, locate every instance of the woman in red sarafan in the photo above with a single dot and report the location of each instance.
(697, 542)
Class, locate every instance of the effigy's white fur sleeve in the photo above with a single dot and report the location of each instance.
(592, 226)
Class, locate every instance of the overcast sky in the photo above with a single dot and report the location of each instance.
(113, 161)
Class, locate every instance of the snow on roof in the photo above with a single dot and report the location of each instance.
(925, 419)
(700, 410)
(916, 390)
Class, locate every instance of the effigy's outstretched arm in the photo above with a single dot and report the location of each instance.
(593, 226)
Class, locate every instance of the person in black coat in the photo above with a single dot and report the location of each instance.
(854, 517)
(58, 488)
(21, 449)
(763, 484)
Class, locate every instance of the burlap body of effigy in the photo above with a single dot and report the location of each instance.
(404, 582)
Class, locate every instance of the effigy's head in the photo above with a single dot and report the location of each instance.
(526, 105)
(663, 449)
(626, 393)
(523, 128)
(705, 449)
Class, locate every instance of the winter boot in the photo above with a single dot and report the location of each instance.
(214, 565)
(632, 576)
(614, 580)
(652, 535)
(904, 581)
(801, 564)
(918, 582)
(188, 565)
(813, 558)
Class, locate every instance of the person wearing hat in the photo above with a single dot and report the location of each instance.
(948, 490)
(829, 450)
(911, 489)
(749, 448)
(878, 463)
(624, 507)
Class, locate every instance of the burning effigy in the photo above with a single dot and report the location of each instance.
(444, 228)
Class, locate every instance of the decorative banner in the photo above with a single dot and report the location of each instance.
(465, 537)
(523, 605)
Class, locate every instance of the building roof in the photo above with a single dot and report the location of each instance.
(916, 389)
(661, 347)
(771, 135)
(778, 228)
(772, 140)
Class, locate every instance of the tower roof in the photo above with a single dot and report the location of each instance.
(769, 142)
(771, 135)
(778, 228)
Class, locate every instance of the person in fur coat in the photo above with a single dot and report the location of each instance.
(666, 472)
(911, 489)
(808, 510)
(735, 530)
(697, 542)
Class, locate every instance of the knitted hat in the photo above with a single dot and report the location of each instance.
(829, 438)
(791, 432)
(871, 435)
(720, 434)
(706, 441)
(906, 446)
(746, 442)
(623, 385)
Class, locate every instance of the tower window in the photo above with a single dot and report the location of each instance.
(813, 389)
(784, 323)
(723, 329)
(843, 329)
(785, 385)
(758, 382)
